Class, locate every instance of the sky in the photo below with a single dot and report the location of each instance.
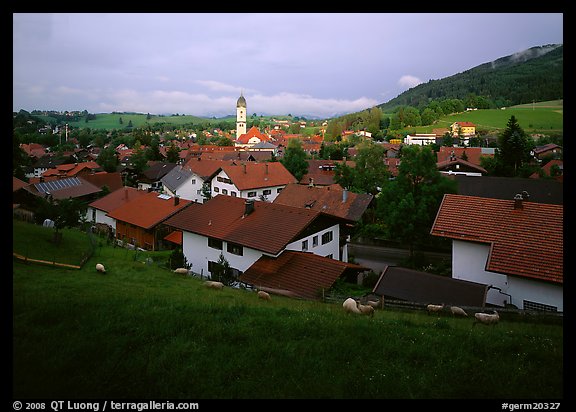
(304, 64)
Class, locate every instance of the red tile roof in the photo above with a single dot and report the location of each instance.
(253, 132)
(174, 237)
(322, 171)
(327, 199)
(205, 167)
(303, 274)
(111, 180)
(473, 154)
(526, 242)
(117, 198)
(251, 175)
(148, 210)
(269, 228)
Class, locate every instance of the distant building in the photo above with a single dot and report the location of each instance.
(240, 116)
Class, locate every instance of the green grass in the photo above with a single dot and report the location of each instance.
(110, 121)
(544, 117)
(141, 331)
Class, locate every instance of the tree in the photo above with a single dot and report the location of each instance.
(295, 159)
(370, 172)
(513, 149)
(206, 191)
(222, 272)
(64, 213)
(108, 160)
(407, 206)
(172, 154)
(138, 158)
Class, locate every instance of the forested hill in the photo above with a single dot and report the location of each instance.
(535, 74)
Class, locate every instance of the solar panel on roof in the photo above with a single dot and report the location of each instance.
(55, 185)
(163, 196)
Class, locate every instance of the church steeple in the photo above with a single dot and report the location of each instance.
(240, 116)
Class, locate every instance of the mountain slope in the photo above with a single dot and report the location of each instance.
(535, 74)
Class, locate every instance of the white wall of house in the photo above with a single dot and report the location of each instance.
(99, 216)
(190, 189)
(220, 186)
(469, 261)
(331, 248)
(541, 293)
(198, 253)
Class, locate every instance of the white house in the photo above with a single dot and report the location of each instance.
(97, 211)
(514, 246)
(421, 139)
(186, 181)
(243, 230)
(251, 180)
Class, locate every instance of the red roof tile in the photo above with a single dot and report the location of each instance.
(117, 198)
(525, 242)
(148, 210)
(327, 199)
(303, 274)
(269, 228)
(253, 132)
(252, 175)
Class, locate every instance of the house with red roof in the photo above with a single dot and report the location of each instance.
(251, 180)
(512, 245)
(140, 221)
(243, 231)
(97, 211)
(251, 137)
(321, 172)
(188, 179)
(463, 129)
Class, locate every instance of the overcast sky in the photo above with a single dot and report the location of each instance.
(284, 63)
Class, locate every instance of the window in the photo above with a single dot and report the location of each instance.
(327, 237)
(199, 192)
(235, 249)
(528, 305)
(233, 194)
(304, 245)
(330, 256)
(315, 241)
(267, 192)
(251, 194)
(279, 190)
(224, 191)
(216, 189)
(215, 243)
(193, 181)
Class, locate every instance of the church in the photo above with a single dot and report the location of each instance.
(252, 137)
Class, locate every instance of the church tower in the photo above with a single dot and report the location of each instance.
(240, 116)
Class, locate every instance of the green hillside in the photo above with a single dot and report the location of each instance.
(110, 121)
(142, 332)
(544, 117)
(535, 74)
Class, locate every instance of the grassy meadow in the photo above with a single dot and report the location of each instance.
(142, 332)
(542, 117)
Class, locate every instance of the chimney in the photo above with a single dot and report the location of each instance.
(176, 200)
(344, 195)
(518, 201)
(310, 182)
(248, 207)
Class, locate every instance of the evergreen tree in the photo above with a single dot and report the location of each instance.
(514, 147)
